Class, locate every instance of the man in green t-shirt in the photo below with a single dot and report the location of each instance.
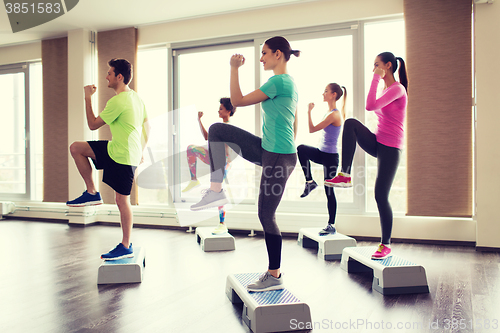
(127, 119)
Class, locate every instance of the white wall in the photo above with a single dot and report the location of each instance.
(487, 35)
(20, 53)
(300, 15)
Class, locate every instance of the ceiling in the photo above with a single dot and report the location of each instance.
(99, 15)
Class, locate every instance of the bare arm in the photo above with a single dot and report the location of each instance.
(144, 139)
(295, 125)
(202, 128)
(237, 98)
(333, 118)
(146, 128)
(92, 121)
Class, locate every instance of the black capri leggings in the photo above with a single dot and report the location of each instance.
(276, 169)
(330, 164)
(387, 165)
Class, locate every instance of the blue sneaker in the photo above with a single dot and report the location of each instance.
(86, 199)
(119, 252)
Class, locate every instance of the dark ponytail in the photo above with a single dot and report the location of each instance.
(389, 57)
(280, 43)
(403, 77)
(336, 88)
(345, 101)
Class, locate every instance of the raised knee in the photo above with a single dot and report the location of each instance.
(349, 122)
(300, 148)
(214, 129)
(74, 148)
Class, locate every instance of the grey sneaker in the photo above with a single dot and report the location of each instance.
(210, 199)
(328, 230)
(267, 282)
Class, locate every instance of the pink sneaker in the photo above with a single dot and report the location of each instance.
(382, 252)
(341, 180)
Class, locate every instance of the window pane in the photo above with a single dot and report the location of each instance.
(203, 80)
(152, 87)
(36, 128)
(376, 43)
(12, 134)
(322, 61)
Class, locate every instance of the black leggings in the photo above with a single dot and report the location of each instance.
(276, 169)
(330, 164)
(387, 165)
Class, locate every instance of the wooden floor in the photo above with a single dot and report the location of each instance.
(48, 283)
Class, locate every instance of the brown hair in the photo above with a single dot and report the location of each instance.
(280, 43)
(336, 88)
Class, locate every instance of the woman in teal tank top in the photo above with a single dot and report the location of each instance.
(275, 151)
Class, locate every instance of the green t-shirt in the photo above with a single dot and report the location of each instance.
(279, 114)
(125, 114)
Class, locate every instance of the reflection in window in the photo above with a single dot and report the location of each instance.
(203, 80)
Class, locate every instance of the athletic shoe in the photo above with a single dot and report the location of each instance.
(266, 282)
(86, 199)
(221, 229)
(382, 252)
(328, 230)
(308, 189)
(119, 252)
(210, 199)
(192, 184)
(341, 180)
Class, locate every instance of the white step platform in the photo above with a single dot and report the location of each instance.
(209, 242)
(329, 246)
(268, 311)
(391, 276)
(128, 270)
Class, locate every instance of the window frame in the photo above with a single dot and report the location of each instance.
(13, 69)
(352, 28)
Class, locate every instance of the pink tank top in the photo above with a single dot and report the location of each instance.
(390, 109)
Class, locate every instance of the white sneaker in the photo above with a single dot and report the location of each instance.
(221, 229)
(210, 199)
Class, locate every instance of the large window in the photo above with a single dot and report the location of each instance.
(200, 77)
(152, 86)
(325, 58)
(36, 130)
(21, 163)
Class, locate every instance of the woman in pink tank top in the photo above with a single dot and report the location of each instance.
(385, 144)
